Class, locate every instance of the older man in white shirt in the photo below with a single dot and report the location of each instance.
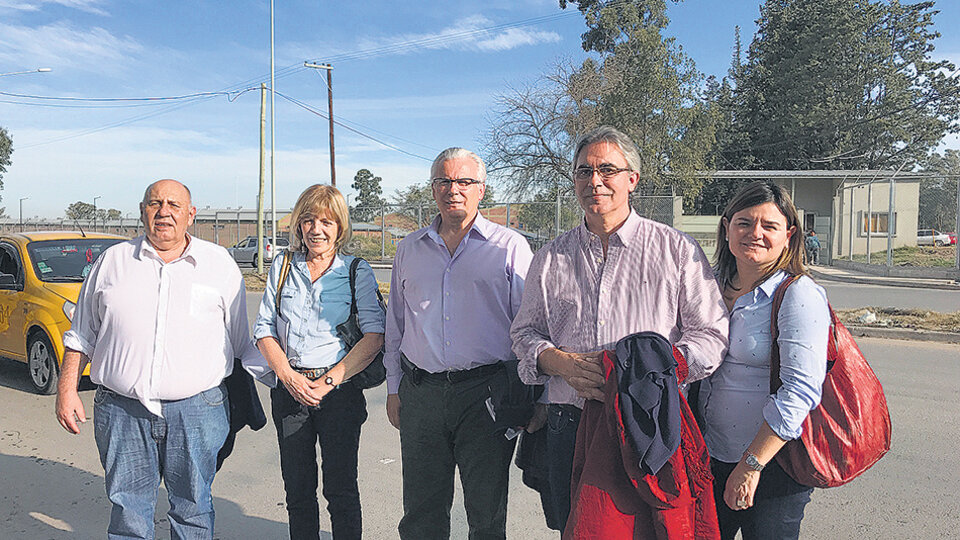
(160, 318)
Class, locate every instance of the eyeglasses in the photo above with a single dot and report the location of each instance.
(462, 183)
(606, 172)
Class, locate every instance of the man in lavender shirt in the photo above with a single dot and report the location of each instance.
(614, 275)
(455, 289)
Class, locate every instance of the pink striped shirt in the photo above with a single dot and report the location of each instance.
(654, 278)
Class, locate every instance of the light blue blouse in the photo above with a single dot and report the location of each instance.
(315, 309)
(736, 399)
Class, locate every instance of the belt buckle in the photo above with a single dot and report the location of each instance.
(450, 376)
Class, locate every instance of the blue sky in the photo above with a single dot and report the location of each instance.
(427, 79)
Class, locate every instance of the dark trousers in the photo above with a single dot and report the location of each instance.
(777, 505)
(336, 424)
(444, 426)
(562, 424)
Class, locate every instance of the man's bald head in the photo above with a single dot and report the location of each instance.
(146, 193)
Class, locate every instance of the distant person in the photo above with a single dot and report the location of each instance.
(455, 289)
(296, 330)
(744, 424)
(160, 318)
(612, 276)
(812, 245)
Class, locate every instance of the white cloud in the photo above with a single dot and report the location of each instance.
(94, 49)
(512, 38)
(90, 6)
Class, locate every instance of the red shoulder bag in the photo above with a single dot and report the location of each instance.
(850, 430)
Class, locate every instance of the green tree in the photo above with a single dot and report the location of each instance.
(416, 202)
(841, 84)
(6, 148)
(642, 83)
(369, 200)
(80, 210)
(938, 195)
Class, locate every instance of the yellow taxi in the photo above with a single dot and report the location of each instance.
(40, 278)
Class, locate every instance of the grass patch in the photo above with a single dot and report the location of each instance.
(916, 319)
(923, 256)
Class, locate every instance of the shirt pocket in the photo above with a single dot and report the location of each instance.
(334, 309)
(205, 302)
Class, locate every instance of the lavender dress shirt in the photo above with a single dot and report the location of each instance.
(653, 278)
(451, 313)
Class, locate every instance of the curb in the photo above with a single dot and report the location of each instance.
(896, 283)
(904, 333)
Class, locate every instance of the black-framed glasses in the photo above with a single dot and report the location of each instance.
(606, 172)
(462, 183)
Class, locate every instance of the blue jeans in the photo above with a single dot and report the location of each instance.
(138, 448)
(777, 505)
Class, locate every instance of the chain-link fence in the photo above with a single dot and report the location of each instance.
(898, 226)
(539, 222)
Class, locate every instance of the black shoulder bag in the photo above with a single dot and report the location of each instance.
(349, 331)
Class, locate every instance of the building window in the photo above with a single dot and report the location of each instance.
(878, 223)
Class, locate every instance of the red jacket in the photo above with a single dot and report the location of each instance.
(612, 499)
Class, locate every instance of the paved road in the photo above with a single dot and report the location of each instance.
(51, 483)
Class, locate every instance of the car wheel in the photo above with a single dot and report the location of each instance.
(939, 243)
(253, 261)
(42, 363)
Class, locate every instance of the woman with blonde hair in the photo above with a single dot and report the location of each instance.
(296, 332)
(759, 246)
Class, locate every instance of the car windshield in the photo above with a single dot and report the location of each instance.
(66, 260)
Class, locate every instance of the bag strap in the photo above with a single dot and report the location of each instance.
(778, 295)
(284, 270)
(353, 285)
(781, 292)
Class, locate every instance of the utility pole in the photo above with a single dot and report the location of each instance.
(263, 173)
(273, 140)
(329, 68)
(21, 212)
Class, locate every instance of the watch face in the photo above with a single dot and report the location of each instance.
(329, 380)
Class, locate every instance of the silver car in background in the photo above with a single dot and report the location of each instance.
(245, 252)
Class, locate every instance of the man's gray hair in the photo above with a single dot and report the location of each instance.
(612, 135)
(457, 153)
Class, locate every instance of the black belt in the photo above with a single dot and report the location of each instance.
(313, 373)
(417, 374)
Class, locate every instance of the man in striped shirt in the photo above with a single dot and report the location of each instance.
(614, 275)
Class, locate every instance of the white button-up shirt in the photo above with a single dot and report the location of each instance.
(162, 331)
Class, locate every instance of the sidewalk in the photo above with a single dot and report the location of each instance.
(849, 276)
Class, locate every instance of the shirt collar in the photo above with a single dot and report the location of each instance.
(769, 287)
(483, 226)
(146, 248)
(626, 234)
(299, 260)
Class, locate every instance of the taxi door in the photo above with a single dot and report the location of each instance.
(12, 307)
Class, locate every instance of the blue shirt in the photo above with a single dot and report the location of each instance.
(453, 312)
(315, 309)
(736, 399)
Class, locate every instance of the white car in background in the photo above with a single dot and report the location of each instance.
(245, 252)
(932, 237)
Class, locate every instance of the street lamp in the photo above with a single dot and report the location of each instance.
(38, 70)
(95, 212)
(21, 212)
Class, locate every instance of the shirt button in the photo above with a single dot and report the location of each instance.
(448, 343)
(446, 318)
(601, 323)
(599, 260)
(446, 294)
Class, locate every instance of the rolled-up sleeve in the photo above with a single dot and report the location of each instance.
(704, 323)
(266, 324)
(369, 311)
(529, 331)
(804, 324)
(85, 325)
(394, 324)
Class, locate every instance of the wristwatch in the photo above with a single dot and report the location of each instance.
(329, 380)
(752, 462)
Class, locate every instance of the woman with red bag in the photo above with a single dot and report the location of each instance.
(759, 245)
